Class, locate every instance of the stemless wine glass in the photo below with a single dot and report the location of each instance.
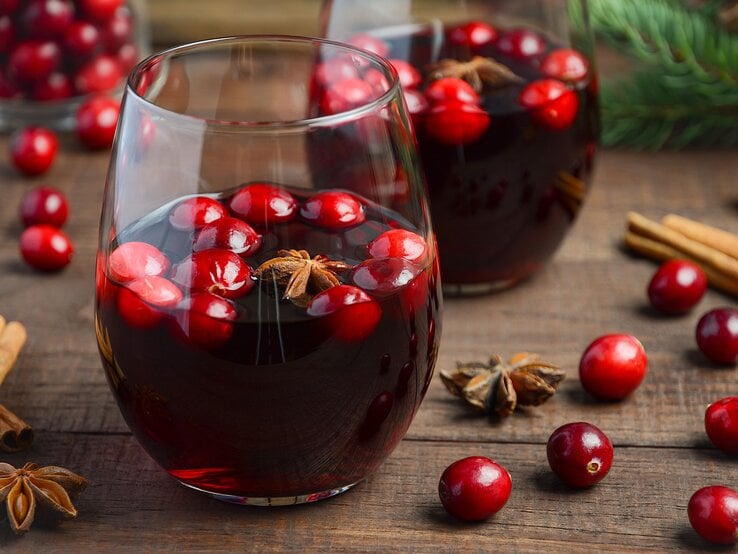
(504, 98)
(268, 303)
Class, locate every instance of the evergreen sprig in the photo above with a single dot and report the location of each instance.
(685, 91)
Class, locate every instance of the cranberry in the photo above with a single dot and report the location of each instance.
(474, 35)
(350, 312)
(7, 33)
(117, 31)
(521, 43)
(333, 210)
(721, 424)
(46, 248)
(127, 56)
(337, 69)
(196, 212)
(580, 454)
(96, 120)
(370, 44)
(474, 488)
(33, 150)
(55, 86)
(216, 270)
(205, 320)
(417, 105)
(142, 301)
(345, 95)
(45, 205)
(32, 60)
(451, 89)
(408, 75)
(100, 10)
(551, 102)
(100, 74)
(713, 513)
(677, 287)
(456, 122)
(717, 335)
(81, 39)
(228, 233)
(399, 243)
(133, 260)
(263, 204)
(383, 276)
(48, 18)
(565, 64)
(613, 366)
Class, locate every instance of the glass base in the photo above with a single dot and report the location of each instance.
(477, 289)
(271, 500)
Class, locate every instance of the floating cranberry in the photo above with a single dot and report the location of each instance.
(33, 150)
(81, 39)
(370, 44)
(613, 366)
(474, 488)
(263, 204)
(717, 335)
(228, 233)
(338, 69)
(399, 243)
(456, 122)
(32, 60)
(117, 31)
(565, 64)
(100, 74)
(100, 10)
(96, 120)
(133, 260)
(206, 320)
(551, 103)
(721, 424)
(346, 95)
(7, 33)
(474, 35)
(218, 271)
(383, 276)
(55, 86)
(46, 248)
(141, 303)
(47, 18)
(333, 210)
(196, 212)
(451, 89)
(677, 287)
(350, 312)
(713, 513)
(521, 43)
(44, 205)
(580, 454)
(408, 75)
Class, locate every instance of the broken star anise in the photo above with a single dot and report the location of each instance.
(49, 486)
(301, 276)
(499, 386)
(477, 72)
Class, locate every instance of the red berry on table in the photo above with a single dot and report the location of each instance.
(100, 10)
(333, 210)
(677, 286)
(346, 95)
(521, 43)
(33, 150)
(551, 103)
(216, 270)
(96, 120)
(370, 44)
(580, 454)
(133, 260)
(100, 74)
(81, 39)
(142, 302)
(713, 513)
(565, 64)
(205, 320)
(263, 204)
(717, 335)
(228, 233)
(383, 276)
(474, 35)
(47, 18)
(44, 205)
(613, 366)
(196, 212)
(474, 488)
(456, 122)
(399, 243)
(55, 86)
(46, 248)
(721, 424)
(408, 75)
(32, 60)
(350, 312)
(450, 89)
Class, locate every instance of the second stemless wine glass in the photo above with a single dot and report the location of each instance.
(504, 98)
(268, 304)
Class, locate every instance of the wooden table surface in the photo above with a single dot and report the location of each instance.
(592, 287)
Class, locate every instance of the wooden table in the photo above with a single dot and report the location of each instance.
(591, 288)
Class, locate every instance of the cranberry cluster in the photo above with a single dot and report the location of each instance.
(53, 50)
(43, 245)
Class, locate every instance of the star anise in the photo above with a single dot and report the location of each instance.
(477, 72)
(23, 488)
(301, 276)
(499, 387)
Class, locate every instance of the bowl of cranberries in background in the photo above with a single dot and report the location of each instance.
(503, 98)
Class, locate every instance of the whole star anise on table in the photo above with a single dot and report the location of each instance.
(500, 387)
(302, 276)
(22, 489)
(479, 71)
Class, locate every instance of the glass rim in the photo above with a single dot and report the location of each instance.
(394, 89)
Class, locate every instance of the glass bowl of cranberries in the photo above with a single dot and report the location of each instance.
(268, 304)
(503, 98)
(56, 53)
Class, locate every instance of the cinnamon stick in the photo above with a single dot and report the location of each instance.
(15, 434)
(708, 235)
(12, 338)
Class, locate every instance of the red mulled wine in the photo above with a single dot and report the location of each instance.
(269, 342)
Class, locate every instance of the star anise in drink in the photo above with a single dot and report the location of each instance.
(478, 72)
(500, 387)
(22, 489)
(301, 276)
